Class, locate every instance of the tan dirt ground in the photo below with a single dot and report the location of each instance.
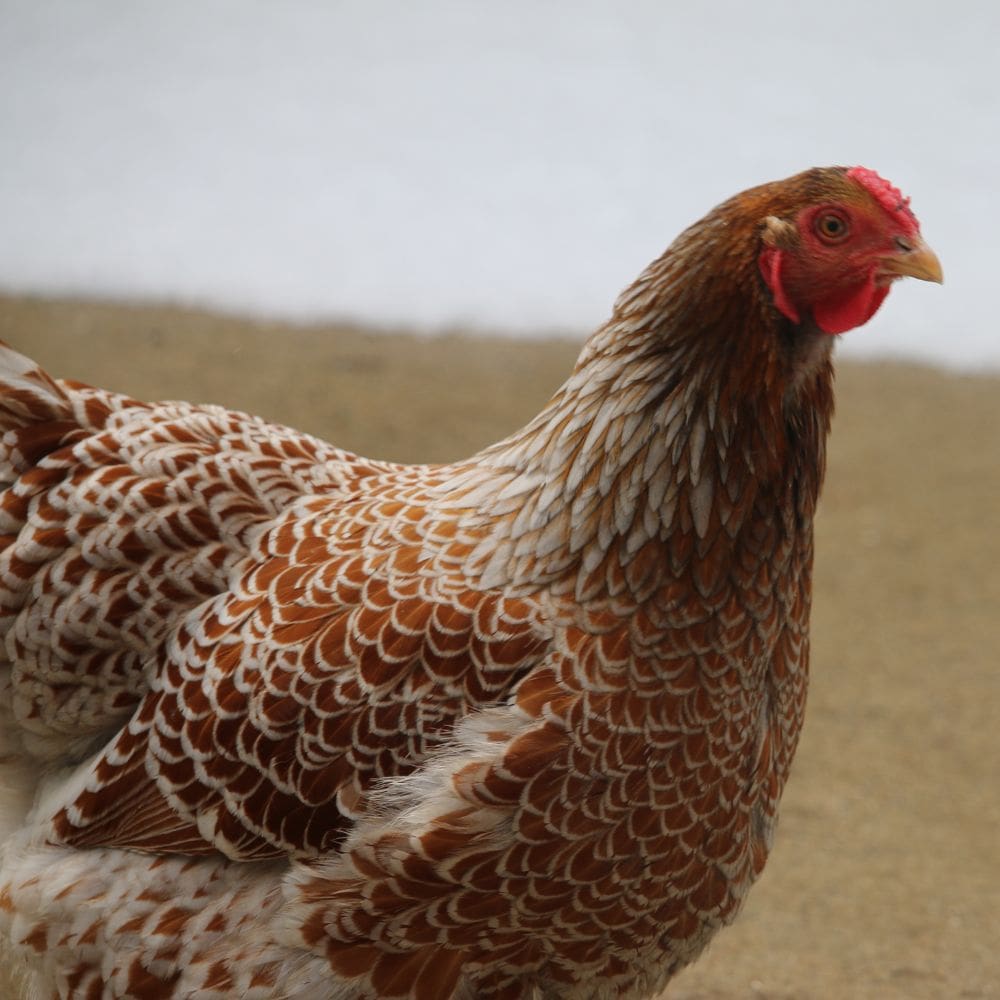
(885, 880)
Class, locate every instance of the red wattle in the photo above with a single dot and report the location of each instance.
(850, 309)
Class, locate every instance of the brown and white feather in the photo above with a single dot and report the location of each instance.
(319, 726)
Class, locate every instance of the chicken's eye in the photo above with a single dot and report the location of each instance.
(832, 227)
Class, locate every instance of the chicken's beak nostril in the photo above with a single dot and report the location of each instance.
(914, 260)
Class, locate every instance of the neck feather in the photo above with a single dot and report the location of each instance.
(677, 428)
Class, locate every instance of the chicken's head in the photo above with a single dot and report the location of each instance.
(835, 257)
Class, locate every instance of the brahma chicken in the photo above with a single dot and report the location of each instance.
(280, 721)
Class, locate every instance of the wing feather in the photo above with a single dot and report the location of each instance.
(263, 626)
(279, 704)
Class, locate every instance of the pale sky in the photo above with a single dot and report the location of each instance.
(509, 167)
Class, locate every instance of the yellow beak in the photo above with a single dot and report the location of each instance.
(914, 260)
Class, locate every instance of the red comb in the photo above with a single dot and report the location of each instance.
(887, 195)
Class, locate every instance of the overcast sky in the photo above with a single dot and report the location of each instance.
(510, 166)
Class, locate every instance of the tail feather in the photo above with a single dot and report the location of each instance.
(36, 415)
(27, 394)
(117, 519)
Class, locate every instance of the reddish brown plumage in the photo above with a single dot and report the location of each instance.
(516, 724)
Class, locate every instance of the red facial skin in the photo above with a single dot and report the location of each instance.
(836, 276)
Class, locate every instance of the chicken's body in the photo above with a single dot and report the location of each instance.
(320, 727)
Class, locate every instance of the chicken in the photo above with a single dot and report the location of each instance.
(280, 721)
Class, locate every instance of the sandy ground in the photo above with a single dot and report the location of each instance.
(885, 880)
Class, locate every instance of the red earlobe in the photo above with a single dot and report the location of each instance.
(770, 267)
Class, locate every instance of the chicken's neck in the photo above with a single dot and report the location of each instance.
(673, 437)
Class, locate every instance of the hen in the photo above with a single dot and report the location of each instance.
(280, 721)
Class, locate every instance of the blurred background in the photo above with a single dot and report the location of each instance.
(391, 224)
(451, 164)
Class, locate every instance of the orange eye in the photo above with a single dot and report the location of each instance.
(831, 227)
